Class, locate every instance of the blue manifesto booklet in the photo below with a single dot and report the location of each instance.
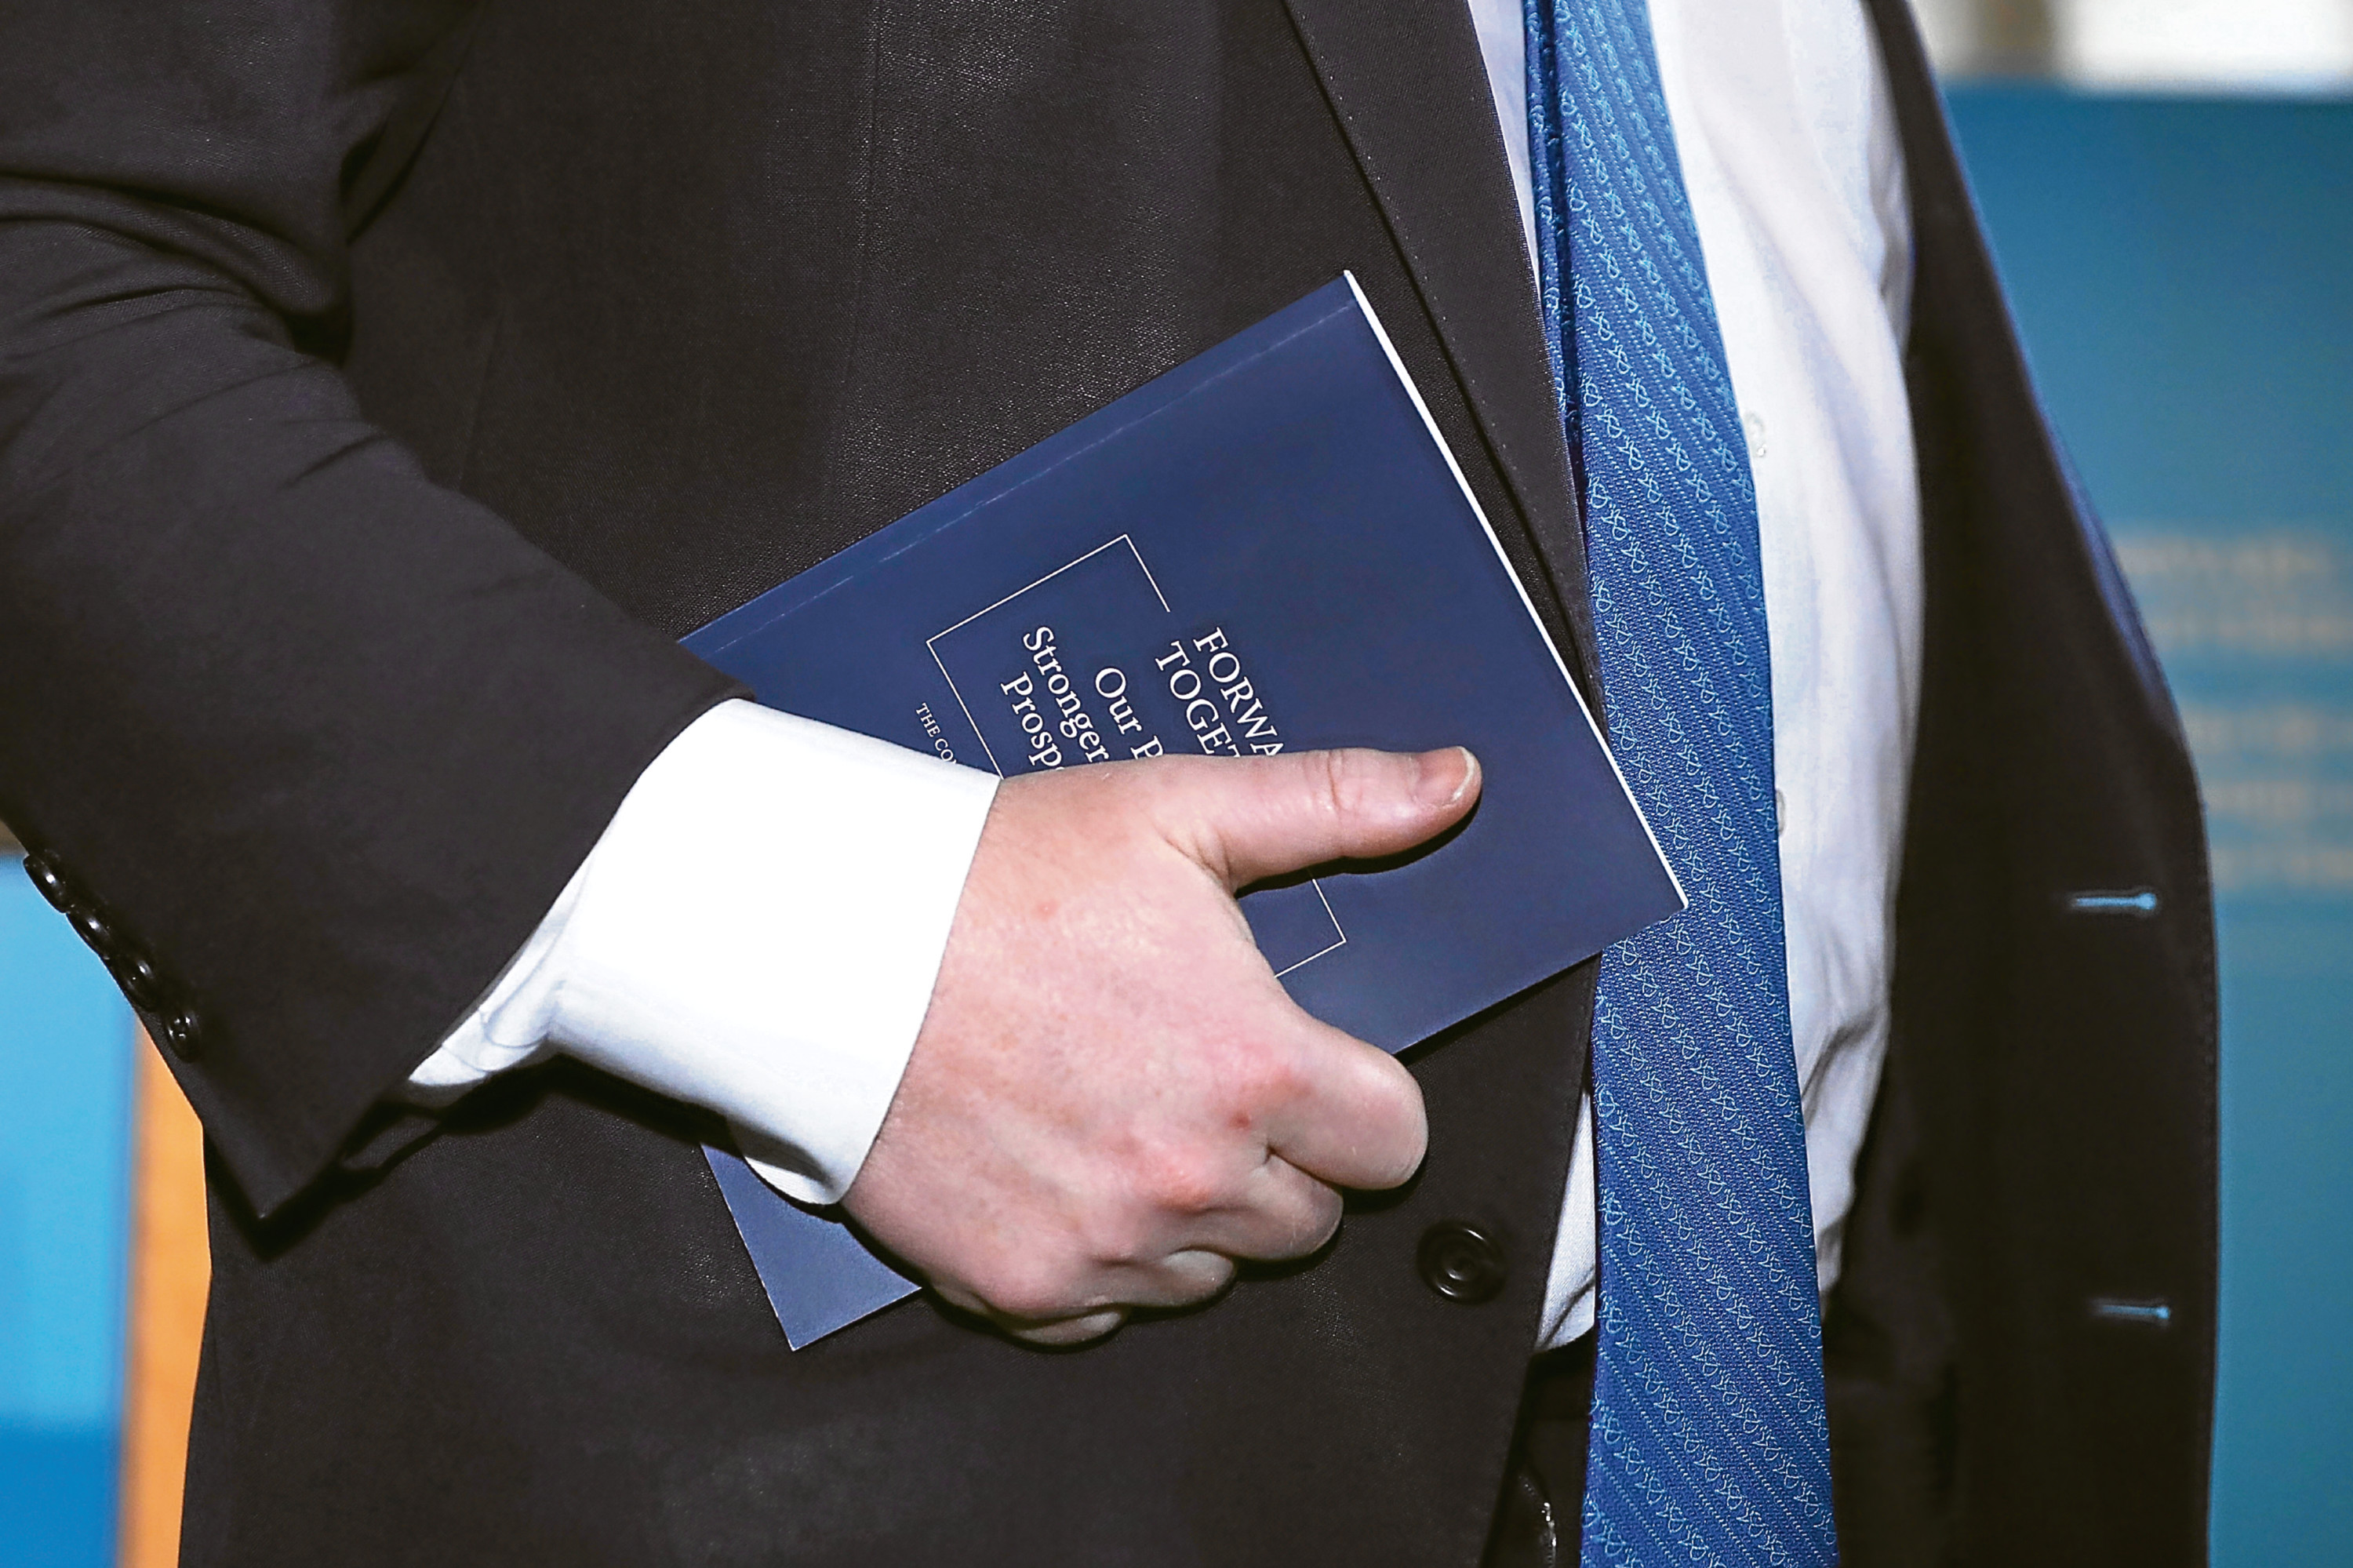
(1267, 549)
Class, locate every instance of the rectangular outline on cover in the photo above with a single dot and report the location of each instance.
(930, 647)
(929, 642)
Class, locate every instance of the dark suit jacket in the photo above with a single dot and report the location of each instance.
(384, 384)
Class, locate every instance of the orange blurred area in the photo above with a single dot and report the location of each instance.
(171, 1268)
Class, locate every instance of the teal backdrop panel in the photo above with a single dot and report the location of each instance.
(65, 1129)
(2182, 270)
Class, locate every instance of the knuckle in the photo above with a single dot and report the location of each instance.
(1115, 1239)
(1185, 1181)
(1259, 1078)
(1252, 1086)
(1026, 1287)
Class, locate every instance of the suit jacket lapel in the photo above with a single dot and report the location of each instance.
(1409, 89)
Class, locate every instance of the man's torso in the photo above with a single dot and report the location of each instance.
(695, 298)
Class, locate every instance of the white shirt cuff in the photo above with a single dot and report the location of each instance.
(757, 932)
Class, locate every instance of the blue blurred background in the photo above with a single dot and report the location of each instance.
(65, 1138)
(2183, 270)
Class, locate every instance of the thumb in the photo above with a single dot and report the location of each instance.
(1263, 816)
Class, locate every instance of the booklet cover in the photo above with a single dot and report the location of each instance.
(1267, 549)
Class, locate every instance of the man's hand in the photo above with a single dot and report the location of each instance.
(1112, 1097)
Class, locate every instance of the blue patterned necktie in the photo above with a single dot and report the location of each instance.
(1708, 1442)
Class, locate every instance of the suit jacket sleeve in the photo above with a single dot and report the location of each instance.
(320, 740)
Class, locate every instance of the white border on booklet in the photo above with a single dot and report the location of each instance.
(1439, 440)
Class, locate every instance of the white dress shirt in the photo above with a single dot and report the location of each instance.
(717, 947)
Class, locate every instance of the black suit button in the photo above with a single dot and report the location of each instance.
(1460, 1262)
(95, 930)
(52, 882)
(141, 985)
(182, 1036)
